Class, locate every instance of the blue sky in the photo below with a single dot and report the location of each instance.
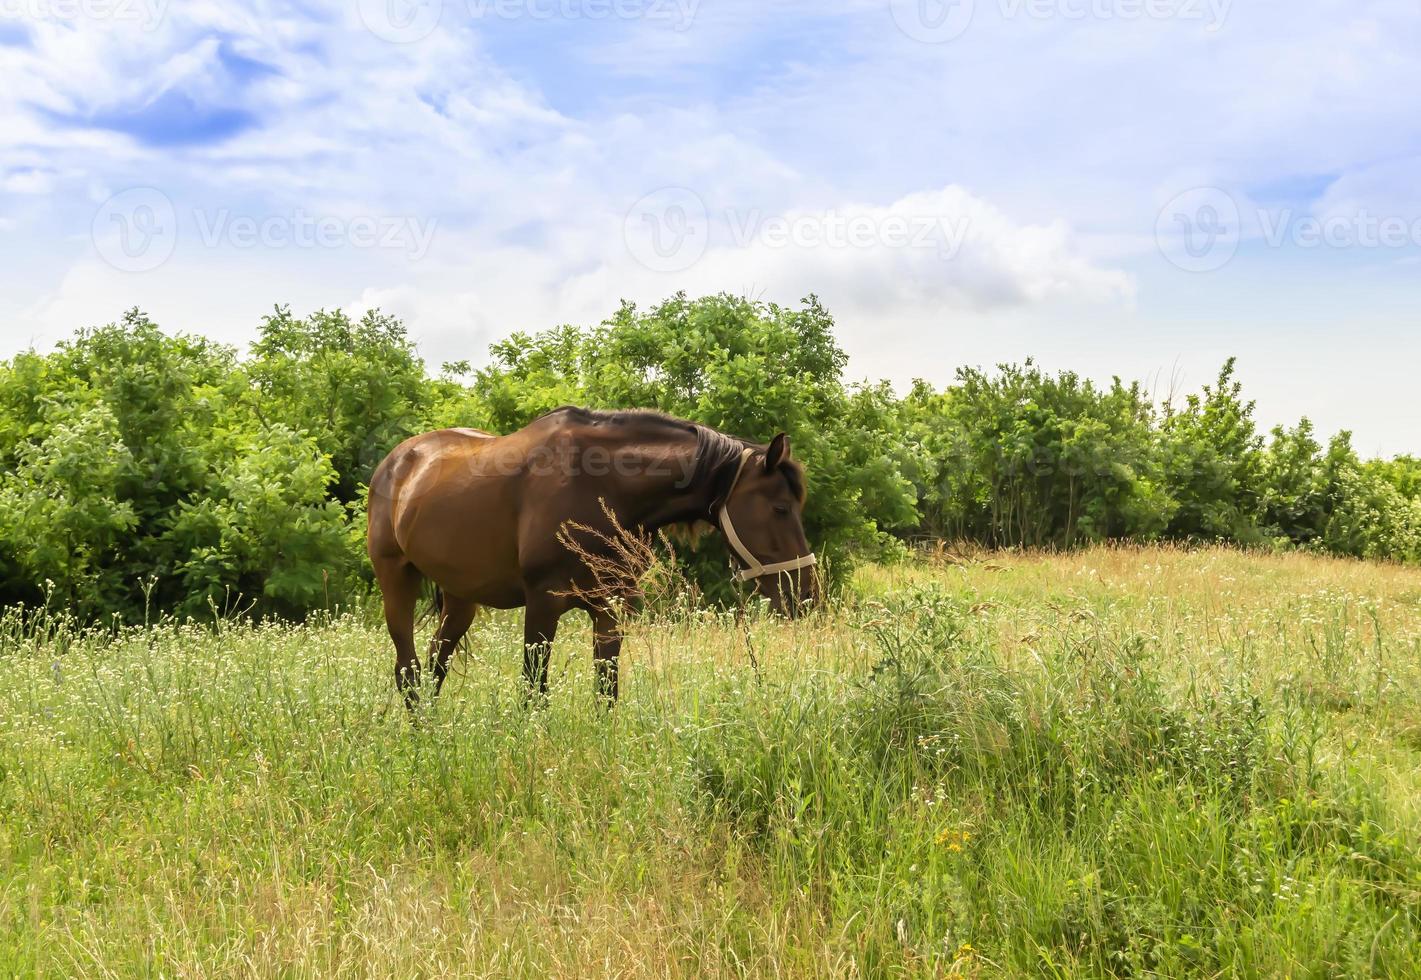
(1133, 187)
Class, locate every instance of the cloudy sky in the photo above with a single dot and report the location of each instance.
(1133, 187)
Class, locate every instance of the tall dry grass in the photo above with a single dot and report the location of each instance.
(1119, 761)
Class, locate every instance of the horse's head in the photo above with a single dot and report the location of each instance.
(762, 520)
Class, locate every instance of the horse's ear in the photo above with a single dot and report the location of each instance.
(777, 453)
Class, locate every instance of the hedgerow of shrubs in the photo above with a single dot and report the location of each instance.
(144, 470)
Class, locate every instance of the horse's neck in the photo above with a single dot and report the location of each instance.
(671, 489)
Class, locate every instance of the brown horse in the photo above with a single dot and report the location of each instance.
(481, 515)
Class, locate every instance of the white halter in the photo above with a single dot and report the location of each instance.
(753, 568)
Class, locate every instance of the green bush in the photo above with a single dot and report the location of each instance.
(356, 387)
(159, 398)
(1210, 452)
(1331, 501)
(62, 521)
(744, 367)
(144, 471)
(264, 529)
(1025, 459)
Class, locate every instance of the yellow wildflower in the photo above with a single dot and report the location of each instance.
(954, 839)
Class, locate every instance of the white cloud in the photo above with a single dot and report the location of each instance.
(1049, 145)
(944, 249)
(1388, 189)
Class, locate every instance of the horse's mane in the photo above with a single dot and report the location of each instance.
(717, 454)
(618, 416)
(717, 459)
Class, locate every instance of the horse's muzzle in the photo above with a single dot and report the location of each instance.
(790, 593)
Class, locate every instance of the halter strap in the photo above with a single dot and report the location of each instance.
(753, 568)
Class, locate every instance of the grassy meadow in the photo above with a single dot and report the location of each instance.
(1142, 761)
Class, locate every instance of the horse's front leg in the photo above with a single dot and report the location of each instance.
(540, 626)
(606, 647)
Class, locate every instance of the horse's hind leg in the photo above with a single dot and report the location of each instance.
(399, 589)
(455, 615)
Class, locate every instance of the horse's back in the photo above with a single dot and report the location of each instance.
(412, 460)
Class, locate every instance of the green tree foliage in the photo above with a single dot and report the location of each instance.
(153, 467)
(1329, 500)
(356, 387)
(1210, 451)
(62, 519)
(1403, 473)
(159, 397)
(1022, 458)
(265, 530)
(142, 467)
(749, 368)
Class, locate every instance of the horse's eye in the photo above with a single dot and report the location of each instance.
(781, 508)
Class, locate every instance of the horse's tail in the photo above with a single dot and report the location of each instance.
(436, 604)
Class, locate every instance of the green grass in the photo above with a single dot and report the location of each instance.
(1122, 761)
